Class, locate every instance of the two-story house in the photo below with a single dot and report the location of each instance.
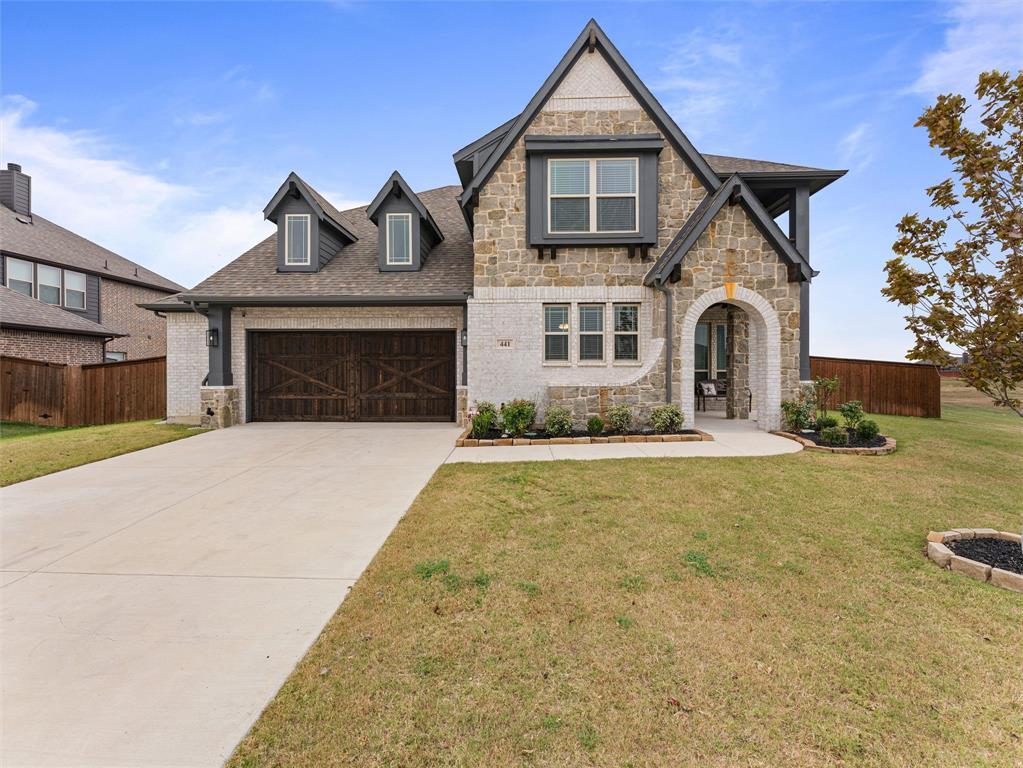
(590, 255)
(65, 299)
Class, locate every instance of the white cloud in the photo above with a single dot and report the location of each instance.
(86, 184)
(983, 35)
(704, 83)
(856, 149)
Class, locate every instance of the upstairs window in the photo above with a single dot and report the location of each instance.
(20, 277)
(297, 247)
(399, 238)
(49, 284)
(74, 290)
(593, 196)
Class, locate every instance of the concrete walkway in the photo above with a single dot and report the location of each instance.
(152, 604)
(732, 437)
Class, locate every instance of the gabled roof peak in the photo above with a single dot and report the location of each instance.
(396, 185)
(325, 211)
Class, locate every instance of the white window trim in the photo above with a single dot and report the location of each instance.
(602, 333)
(593, 196)
(84, 291)
(7, 274)
(567, 333)
(59, 286)
(638, 333)
(308, 238)
(390, 259)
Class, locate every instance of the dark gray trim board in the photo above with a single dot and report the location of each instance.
(220, 374)
(322, 301)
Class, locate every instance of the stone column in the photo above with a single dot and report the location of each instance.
(737, 406)
(219, 407)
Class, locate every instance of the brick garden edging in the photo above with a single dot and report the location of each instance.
(809, 445)
(946, 558)
(468, 442)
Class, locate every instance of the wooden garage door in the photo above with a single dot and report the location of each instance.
(352, 376)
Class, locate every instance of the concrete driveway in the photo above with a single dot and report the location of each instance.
(152, 604)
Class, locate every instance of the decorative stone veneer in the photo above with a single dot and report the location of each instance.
(219, 407)
(593, 101)
(64, 348)
(147, 333)
(938, 551)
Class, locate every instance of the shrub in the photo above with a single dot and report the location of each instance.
(797, 413)
(852, 412)
(482, 422)
(517, 415)
(595, 426)
(834, 436)
(824, 422)
(619, 418)
(557, 421)
(823, 389)
(667, 419)
(867, 430)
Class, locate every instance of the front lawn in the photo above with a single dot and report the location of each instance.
(771, 611)
(28, 451)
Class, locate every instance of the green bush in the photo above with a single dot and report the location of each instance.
(797, 413)
(867, 430)
(823, 389)
(484, 420)
(834, 436)
(557, 421)
(852, 412)
(517, 415)
(595, 426)
(824, 422)
(667, 419)
(619, 418)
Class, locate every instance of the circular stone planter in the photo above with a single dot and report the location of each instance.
(810, 445)
(938, 551)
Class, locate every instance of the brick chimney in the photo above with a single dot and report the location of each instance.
(16, 189)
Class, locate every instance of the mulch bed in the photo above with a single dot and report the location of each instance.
(540, 434)
(854, 440)
(997, 553)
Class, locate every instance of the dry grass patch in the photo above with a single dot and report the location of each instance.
(715, 612)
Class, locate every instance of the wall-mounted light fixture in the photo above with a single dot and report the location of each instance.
(212, 338)
(465, 338)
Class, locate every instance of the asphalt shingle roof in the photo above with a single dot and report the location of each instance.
(726, 166)
(20, 311)
(46, 241)
(354, 271)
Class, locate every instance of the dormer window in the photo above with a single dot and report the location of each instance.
(298, 246)
(399, 238)
(593, 195)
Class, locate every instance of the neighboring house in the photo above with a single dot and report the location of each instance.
(77, 284)
(589, 256)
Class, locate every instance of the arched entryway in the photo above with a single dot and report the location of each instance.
(764, 354)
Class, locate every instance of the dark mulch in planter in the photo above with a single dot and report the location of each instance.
(854, 440)
(997, 553)
(540, 434)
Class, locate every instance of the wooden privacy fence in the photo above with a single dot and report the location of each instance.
(898, 389)
(76, 395)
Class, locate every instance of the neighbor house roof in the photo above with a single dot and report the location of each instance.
(353, 275)
(23, 312)
(41, 240)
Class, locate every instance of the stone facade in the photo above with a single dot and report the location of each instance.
(219, 407)
(512, 284)
(188, 356)
(65, 348)
(147, 333)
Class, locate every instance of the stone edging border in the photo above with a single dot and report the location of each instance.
(809, 445)
(464, 441)
(946, 558)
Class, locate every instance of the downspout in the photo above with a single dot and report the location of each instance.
(668, 333)
(465, 346)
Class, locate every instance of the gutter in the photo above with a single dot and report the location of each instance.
(668, 334)
(451, 299)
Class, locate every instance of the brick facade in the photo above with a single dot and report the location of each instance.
(147, 333)
(51, 347)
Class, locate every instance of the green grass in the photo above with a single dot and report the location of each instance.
(772, 611)
(28, 451)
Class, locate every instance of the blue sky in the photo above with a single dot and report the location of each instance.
(161, 129)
